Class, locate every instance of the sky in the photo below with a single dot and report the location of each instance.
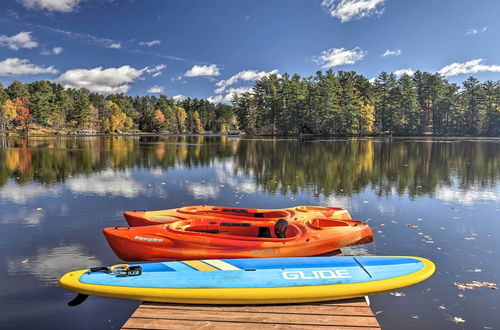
(214, 48)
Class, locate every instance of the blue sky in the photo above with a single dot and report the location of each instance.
(211, 49)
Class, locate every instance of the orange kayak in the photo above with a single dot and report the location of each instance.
(209, 237)
(147, 218)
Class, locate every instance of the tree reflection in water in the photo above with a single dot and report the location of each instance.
(417, 166)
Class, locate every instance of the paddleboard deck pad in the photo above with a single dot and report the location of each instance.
(251, 281)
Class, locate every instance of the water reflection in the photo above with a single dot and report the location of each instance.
(24, 216)
(108, 182)
(437, 198)
(330, 167)
(22, 193)
(50, 264)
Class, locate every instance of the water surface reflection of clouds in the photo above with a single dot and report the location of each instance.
(436, 200)
(222, 174)
(23, 193)
(23, 216)
(106, 183)
(51, 263)
(203, 190)
(467, 197)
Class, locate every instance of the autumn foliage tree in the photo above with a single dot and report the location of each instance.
(198, 128)
(159, 121)
(23, 118)
(366, 118)
(180, 116)
(117, 120)
(8, 113)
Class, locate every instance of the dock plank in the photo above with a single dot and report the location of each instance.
(345, 314)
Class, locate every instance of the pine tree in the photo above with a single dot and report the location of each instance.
(387, 94)
(473, 101)
(491, 100)
(41, 101)
(17, 89)
(408, 104)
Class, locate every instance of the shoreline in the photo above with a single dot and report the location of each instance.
(290, 136)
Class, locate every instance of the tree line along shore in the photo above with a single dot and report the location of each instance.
(341, 103)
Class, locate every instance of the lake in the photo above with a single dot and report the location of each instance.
(438, 198)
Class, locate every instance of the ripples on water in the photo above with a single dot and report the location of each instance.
(436, 198)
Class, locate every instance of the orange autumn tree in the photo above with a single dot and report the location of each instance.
(159, 121)
(24, 117)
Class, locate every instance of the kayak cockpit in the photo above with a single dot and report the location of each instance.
(237, 212)
(264, 229)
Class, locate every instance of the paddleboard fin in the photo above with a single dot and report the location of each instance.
(78, 300)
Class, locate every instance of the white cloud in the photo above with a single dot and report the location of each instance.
(247, 75)
(115, 45)
(111, 80)
(472, 66)
(408, 71)
(229, 94)
(217, 99)
(156, 89)
(57, 50)
(18, 67)
(156, 70)
(18, 41)
(53, 51)
(51, 5)
(347, 10)
(203, 71)
(179, 97)
(339, 56)
(471, 32)
(150, 43)
(107, 183)
(390, 52)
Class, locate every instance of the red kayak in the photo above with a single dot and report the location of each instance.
(209, 237)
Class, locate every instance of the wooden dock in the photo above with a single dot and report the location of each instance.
(345, 314)
(341, 314)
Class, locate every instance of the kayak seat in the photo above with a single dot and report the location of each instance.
(264, 232)
(280, 228)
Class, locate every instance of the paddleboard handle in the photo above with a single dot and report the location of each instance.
(126, 270)
(119, 268)
(99, 269)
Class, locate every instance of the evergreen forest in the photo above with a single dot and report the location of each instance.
(329, 103)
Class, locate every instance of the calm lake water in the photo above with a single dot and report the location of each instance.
(435, 198)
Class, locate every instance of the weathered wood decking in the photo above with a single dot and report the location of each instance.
(341, 314)
(346, 314)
